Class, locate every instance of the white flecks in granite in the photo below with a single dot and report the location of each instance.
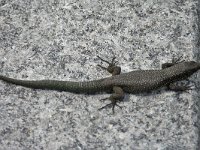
(61, 40)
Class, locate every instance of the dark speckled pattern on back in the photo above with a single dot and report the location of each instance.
(132, 82)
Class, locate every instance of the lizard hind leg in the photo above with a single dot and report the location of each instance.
(116, 97)
(112, 67)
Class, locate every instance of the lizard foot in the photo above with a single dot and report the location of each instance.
(112, 67)
(116, 97)
(184, 87)
(174, 61)
(112, 104)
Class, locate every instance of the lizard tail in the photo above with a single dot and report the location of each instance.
(69, 86)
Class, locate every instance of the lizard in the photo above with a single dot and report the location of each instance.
(118, 84)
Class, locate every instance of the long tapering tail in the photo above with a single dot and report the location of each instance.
(75, 87)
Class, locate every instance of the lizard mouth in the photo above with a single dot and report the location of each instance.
(198, 65)
(195, 64)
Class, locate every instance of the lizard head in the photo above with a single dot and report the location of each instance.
(190, 67)
(193, 65)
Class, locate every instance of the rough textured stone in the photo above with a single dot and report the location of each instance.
(61, 39)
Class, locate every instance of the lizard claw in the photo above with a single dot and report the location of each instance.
(112, 104)
(187, 88)
(112, 67)
(108, 105)
(184, 87)
(112, 63)
(107, 98)
(177, 60)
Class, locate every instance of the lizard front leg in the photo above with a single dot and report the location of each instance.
(174, 61)
(179, 88)
(116, 97)
(112, 67)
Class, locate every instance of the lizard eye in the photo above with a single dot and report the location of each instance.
(191, 63)
(194, 63)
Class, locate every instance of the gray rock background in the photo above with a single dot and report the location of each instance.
(62, 39)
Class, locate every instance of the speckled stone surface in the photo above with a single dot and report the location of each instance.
(61, 40)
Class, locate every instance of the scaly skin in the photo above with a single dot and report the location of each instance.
(132, 82)
(69, 86)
